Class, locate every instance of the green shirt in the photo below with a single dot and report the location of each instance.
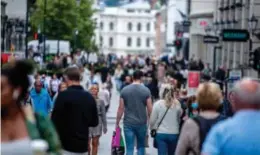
(44, 129)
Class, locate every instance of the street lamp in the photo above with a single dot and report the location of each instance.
(75, 39)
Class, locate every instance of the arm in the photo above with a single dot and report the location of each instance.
(49, 134)
(149, 106)
(91, 112)
(187, 139)
(104, 117)
(149, 103)
(120, 111)
(154, 117)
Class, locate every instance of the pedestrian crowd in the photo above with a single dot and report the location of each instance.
(66, 113)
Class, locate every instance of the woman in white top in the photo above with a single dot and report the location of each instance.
(118, 73)
(168, 131)
(54, 85)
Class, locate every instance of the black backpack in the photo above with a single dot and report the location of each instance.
(205, 126)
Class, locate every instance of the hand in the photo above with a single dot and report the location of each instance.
(117, 125)
(105, 130)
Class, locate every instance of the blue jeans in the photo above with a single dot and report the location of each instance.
(118, 84)
(166, 143)
(135, 131)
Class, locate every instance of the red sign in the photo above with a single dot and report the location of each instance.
(5, 57)
(193, 79)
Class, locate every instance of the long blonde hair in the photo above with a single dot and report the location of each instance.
(168, 95)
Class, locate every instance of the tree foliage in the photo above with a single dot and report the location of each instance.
(63, 18)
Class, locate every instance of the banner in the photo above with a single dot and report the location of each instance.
(193, 82)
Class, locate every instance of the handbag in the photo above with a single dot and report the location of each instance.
(154, 131)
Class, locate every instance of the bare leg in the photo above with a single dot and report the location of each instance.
(95, 143)
(89, 145)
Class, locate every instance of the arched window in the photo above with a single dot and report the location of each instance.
(111, 26)
(138, 42)
(129, 26)
(129, 41)
(148, 27)
(139, 27)
(147, 42)
(101, 25)
(111, 42)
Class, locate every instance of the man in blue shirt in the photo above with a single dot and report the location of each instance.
(238, 135)
(42, 102)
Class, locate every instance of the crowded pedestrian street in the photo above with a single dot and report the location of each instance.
(130, 77)
(106, 139)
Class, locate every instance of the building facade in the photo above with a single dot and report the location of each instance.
(14, 27)
(219, 15)
(127, 29)
(201, 16)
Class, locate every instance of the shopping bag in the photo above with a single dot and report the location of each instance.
(118, 144)
(116, 138)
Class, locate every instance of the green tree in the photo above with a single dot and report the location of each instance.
(85, 26)
(63, 18)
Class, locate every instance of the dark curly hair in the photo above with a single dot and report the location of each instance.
(17, 73)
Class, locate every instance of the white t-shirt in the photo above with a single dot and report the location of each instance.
(17, 147)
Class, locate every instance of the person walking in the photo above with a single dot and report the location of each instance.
(20, 126)
(63, 86)
(42, 102)
(96, 132)
(195, 129)
(104, 95)
(54, 85)
(135, 102)
(75, 110)
(165, 120)
(118, 73)
(239, 134)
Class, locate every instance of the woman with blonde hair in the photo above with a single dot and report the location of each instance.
(195, 129)
(165, 120)
(96, 132)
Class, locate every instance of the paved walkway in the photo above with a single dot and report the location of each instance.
(105, 141)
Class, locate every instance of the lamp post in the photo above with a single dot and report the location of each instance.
(43, 29)
(75, 38)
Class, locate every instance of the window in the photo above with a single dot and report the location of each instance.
(130, 10)
(138, 43)
(147, 42)
(147, 11)
(111, 42)
(139, 27)
(101, 25)
(148, 27)
(111, 26)
(129, 25)
(129, 42)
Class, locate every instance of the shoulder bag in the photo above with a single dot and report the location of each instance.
(154, 131)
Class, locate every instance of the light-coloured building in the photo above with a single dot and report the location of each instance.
(201, 16)
(215, 16)
(127, 29)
